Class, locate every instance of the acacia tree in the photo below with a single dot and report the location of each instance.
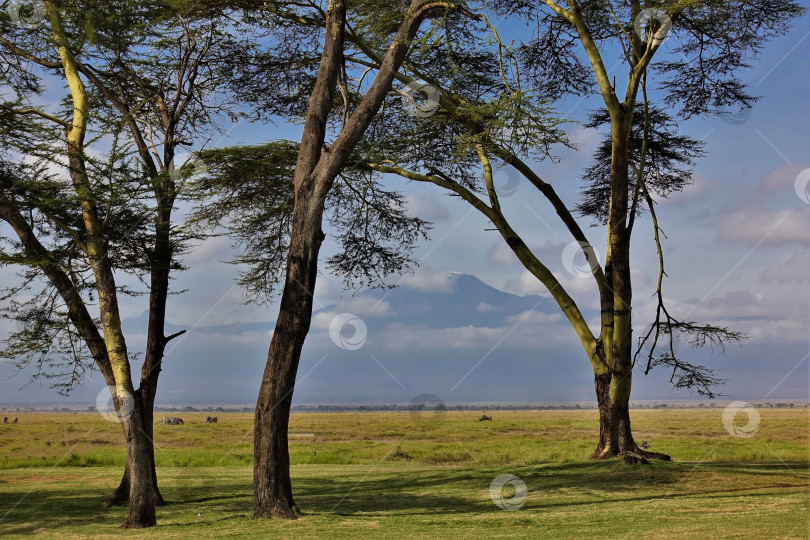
(111, 354)
(642, 157)
(153, 82)
(317, 166)
(167, 98)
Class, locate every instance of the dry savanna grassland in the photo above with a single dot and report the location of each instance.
(400, 475)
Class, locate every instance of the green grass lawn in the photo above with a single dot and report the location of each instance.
(384, 475)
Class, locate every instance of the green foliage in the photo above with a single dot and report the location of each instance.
(668, 161)
(151, 75)
(248, 191)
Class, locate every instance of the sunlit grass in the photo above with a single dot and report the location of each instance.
(382, 475)
(513, 438)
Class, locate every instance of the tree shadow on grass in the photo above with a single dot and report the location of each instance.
(448, 491)
(28, 511)
(403, 492)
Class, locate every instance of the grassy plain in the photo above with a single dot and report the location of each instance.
(393, 475)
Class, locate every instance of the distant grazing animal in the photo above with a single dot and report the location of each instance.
(5, 419)
(644, 444)
(14, 421)
(210, 419)
(485, 417)
(171, 421)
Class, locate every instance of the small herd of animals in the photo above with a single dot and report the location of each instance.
(174, 421)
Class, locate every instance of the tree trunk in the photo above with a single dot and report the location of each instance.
(121, 493)
(142, 497)
(316, 168)
(272, 488)
(271, 472)
(155, 343)
(615, 434)
(142, 493)
(614, 385)
(602, 387)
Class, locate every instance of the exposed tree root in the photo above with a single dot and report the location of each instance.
(653, 455)
(632, 458)
(280, 510)
(129, 525)
(637, 455)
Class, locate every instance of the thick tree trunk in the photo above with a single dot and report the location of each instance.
(315, 171)
(121, 493)
(272, 488)
(271, 472)
(615, 433)
(142, 494)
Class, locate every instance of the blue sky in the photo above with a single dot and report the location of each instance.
(737, 248)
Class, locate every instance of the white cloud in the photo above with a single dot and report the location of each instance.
(322, 319)
(781, 179)
(796, 269)
(206, 341)
(214, 250)
(549, 253)
(533, 318)
(581, 287)
(427, 208)
(761, 226)
(426, 280)
(525, 284)
(327, 290)
(778, 314)
(483, 307)
(700, 188)
(399, 337)
(365, 306)
(500, 253)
